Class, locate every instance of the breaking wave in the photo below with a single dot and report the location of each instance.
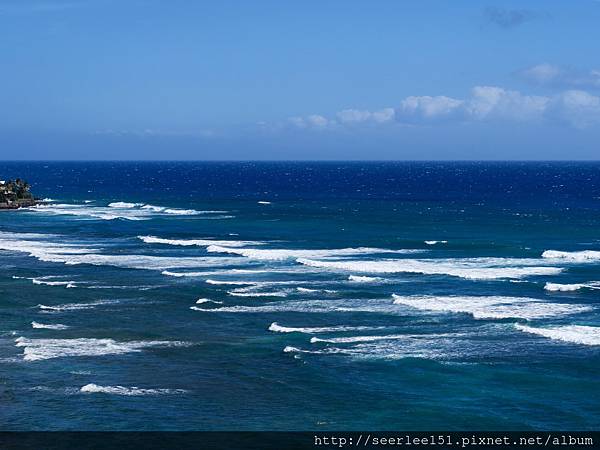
(284, 254)
(580, 256)
(122, 390)
(492, 307)
(577, 334)
(196, 242)
(73, 254)
(207, 300)
(275, 327)
(353, 339)
(76, 306)
(475, 268)
(56, 326)
(381, 306)
(571, 287)
(41, 349)
(67, 284)
(257, 294)
(363, 279)
(120, 210)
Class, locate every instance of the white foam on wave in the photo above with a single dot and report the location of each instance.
(469, 268)
(67, 284)
(41, 349)
(307, 290)
(236, 293)
(491, 307)
(54, 326)
(483, 341)
(76, 306)
(185, 274)
(34, 246)
(207, 300)
(292, 270)
(578, 256)
(263, 202)
(284, 254)
(131, 261)
(120, 210)
(92, 388)
(275, 327)
(228, 282)
(73, 254)
(178, 211)
(377, 350)
(381, 306)
(124, 205)
(571, 287)
(353, 339)
(363, 279)
(196, 242)
(85, 211)
(315, 291)
(577, 334)
(435, 242)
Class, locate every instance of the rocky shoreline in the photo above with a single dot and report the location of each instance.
(16, 194)
(19, 204)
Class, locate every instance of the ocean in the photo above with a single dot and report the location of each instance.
(301, 296)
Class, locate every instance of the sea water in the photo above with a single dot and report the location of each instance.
(301, 296)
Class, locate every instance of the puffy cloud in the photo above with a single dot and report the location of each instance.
(509, 18)
(312, 121)
(552, 75)
(579, 108)
(428, 108)
(488, 102)
(352, 116)
(484, 104)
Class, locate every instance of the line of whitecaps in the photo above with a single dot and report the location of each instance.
(122, 210)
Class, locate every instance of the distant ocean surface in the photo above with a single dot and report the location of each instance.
(301, 296)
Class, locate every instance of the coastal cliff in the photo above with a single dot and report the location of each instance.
(15, 194)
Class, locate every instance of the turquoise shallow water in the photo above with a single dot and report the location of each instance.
(296, 296)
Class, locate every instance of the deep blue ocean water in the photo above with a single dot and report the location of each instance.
(301, 296)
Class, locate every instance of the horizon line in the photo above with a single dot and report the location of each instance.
(298, 160)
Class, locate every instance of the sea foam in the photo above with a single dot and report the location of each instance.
(571, 287)
(55, 326)
(491, 307)
(40, 349)
(363, 279)
(475, 268)
(579, 256)
(120, 210)
(206, 300)
(284, 254)
(75, 306)
(122, 390)
(275, 327)
(577, 334)
(196, 242)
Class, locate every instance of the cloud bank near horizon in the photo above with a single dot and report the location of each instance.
(574, 107)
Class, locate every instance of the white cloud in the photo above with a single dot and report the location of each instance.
(351, 116)
(484, 104)
(552, 75)
(489, 102)
(579, 108)
(427, 108)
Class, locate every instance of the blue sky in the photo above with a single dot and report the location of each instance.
(328, 79)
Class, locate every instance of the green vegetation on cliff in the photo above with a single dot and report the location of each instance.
(15, 194)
